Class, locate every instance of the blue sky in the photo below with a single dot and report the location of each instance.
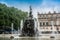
(42, 6)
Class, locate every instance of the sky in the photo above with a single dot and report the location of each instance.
(41, 6)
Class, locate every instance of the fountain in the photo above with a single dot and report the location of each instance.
(21, 25)
(12, 27)
(53, 33)
(29, 26)
(12, 31)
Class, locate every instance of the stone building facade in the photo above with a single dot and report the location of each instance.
(49, 22)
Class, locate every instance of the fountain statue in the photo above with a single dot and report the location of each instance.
(28, 26)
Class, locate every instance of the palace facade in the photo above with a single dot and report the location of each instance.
(49, 22)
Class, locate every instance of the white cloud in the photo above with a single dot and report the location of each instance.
(4, 3)
(48, 5)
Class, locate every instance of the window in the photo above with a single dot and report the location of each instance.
(43, 23)
(40, 24)
(47, 23)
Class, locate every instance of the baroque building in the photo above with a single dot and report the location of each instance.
(49, 22)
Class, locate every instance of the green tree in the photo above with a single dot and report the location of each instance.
(10, 15)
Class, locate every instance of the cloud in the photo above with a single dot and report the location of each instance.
(49, 5)
(4, 3)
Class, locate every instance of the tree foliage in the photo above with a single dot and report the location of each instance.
(10, 15)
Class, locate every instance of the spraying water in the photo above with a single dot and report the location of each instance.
(12, 27)
(35, 27)
(52, 27)
(21, 26)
